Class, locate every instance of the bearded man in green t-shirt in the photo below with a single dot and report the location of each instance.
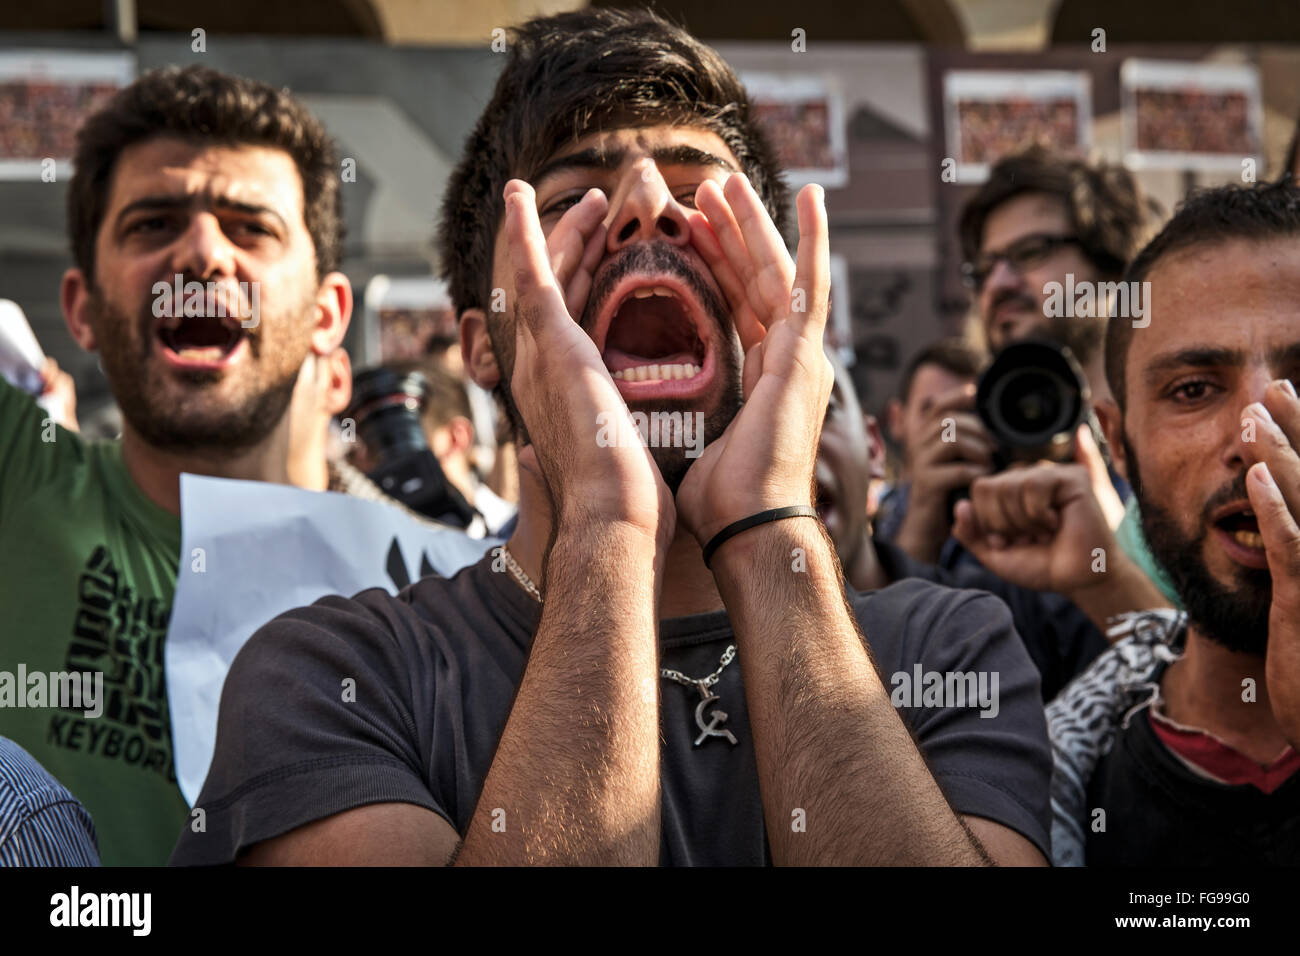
(204, 221)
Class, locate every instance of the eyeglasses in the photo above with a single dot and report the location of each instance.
(1024, 253)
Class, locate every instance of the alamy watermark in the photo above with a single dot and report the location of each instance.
(64, 690)
(195, 299)
(949, 689)
(1093, 300)
(652, 430)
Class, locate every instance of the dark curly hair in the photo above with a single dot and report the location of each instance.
(1108, 213)
(566, 76)
(204, 105)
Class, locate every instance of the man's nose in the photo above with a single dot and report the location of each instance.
(1003, 277)
(204, 250)
(646, 211)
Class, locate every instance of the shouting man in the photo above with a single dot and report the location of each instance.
(661, 666)
(227, 190)
(1178, 747)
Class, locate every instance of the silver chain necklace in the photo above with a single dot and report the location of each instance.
(702, 684)
(518, 573)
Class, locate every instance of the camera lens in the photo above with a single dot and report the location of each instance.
(1032, 398)
(386, 407)
(1031, 401)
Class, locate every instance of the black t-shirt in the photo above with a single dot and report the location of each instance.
(436, 669)
(1160, 813)
(1060, 638)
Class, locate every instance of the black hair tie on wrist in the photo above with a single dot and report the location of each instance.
(753, 521)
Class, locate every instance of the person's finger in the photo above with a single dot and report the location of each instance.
(536, 294)
(965, 526)
(1087, 453)
(706, 243)
(1281, 402)
(950, 477)
(989, 501)
(1037, 500)
(1277, 526)
(960, 399)
(812, 280)
(1274, 448)
(579, 286)
(773, 270)
(570, 239)
(962, 448)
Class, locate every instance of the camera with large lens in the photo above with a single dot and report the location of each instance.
(386, 408)
(1032, 400)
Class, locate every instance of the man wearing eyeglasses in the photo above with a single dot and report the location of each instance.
(1041, 224)
(1044, 219)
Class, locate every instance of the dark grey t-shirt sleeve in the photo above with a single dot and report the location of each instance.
(973, 706)
(315, 718)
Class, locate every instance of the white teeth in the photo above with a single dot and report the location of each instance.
(660, 290)
(643, 293)
(650, 373)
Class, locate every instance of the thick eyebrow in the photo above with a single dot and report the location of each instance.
(585, 159)
(1287, 355)
(598, 159)
(1212, 357)
(1194, 357)
(171, 203)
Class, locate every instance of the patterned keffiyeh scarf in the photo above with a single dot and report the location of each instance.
(1085, 717)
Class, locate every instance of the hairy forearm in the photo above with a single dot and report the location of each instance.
(575, 778)
(842, 781)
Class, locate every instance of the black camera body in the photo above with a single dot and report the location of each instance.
(1032, 400)
(386, 408)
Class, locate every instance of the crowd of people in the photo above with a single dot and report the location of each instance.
(803, 638)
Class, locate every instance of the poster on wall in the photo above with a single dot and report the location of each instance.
(989, 114)
(804, 115)
(44, 96)
(401, 315)
(1190, 116)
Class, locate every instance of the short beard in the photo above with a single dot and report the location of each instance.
(127, 366)
(673, 463)
(1236, 619)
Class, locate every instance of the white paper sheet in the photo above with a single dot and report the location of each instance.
(264, 549)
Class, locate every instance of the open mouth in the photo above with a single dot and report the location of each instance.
(1240, 524)
(652, 338)
(200, 339)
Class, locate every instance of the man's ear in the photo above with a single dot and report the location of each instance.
(460, 430)
(476, 349)
(333, 312)
(1112, 426)
(876, 454)
(74, 296)
(338, 381)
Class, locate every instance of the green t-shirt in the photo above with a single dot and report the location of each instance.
(87, 573)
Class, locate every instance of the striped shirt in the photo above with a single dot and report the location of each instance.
(41, 822)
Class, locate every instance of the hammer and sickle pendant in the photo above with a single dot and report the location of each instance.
(718, 717)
